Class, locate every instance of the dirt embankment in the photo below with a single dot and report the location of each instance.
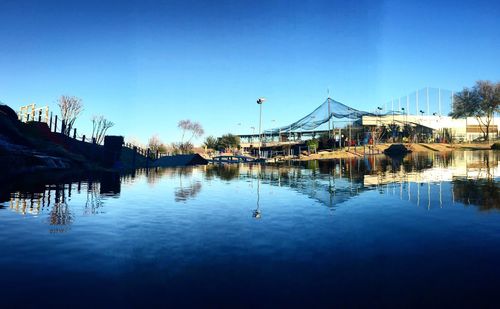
(31, 147)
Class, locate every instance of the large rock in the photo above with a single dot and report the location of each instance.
(397, 150)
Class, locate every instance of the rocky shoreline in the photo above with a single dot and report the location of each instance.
(32, 147)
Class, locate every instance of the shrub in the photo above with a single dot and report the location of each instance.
(312, 144)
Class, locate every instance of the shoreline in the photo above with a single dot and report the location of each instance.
(361, 151)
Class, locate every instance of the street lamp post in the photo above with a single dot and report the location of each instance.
(439, 131)
(378, 123)
(406, 120)
(260, 101)
(253, 133)
(273, 124)
(421, 126)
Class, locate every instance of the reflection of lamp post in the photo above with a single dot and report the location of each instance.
(257, 213)
(260, 101)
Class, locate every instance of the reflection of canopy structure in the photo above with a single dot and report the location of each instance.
(323, 113)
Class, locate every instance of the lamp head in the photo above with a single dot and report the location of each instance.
(261, 100)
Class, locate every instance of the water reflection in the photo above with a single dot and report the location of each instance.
(484, 193)
(466, 177)
(183, 193)
(257, 214)
(93, 202)
(428, 180)
(54, 199)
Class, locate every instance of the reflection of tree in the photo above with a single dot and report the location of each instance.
(60, 215)
(223, 171)
(415, 163)
(153, 175)
(485, 167)
(182, 194)
(94, 201)
(484, 193)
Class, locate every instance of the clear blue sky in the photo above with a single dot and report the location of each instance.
(147, 64)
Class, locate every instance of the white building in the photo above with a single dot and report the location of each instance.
(466, 129)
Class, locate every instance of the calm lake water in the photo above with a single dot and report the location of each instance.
(423, 231)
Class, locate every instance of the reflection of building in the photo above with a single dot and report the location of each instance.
(466, 165)
(54, 200)
(420, 177)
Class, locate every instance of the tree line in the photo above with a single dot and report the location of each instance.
(226, 141)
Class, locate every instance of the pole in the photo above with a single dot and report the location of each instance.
(329, 114)
(416, 94)
(427, 94)
(407, 105)
(349, 143)
(260, 124)
(439, 101)
(407, 111)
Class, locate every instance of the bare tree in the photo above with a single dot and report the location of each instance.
(155, 144)
(70, 107)
(194, 128)
(196, 131)
(184, 125)
(100, 126)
